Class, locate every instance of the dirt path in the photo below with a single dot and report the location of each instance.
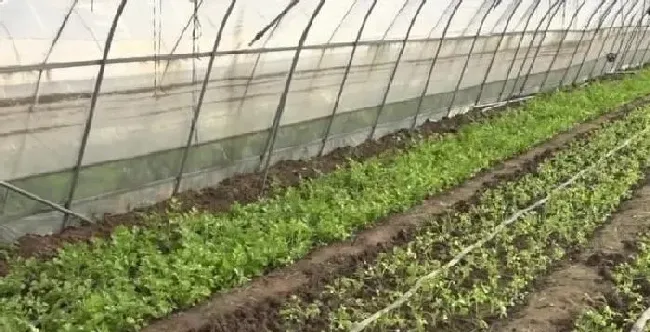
(578, 283)
(247, 309)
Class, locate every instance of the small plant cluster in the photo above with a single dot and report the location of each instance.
(631, 296)
(495, 277)
(143, 273)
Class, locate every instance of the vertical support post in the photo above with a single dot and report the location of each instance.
(93, 103)
(394, 70)
(433, 62)
(328, 129)
(494, 5)
(199, 103)
(270, 143)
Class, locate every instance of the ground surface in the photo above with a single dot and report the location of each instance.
(582, 281)
(254, 307)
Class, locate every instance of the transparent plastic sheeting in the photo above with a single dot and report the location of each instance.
(99, 131)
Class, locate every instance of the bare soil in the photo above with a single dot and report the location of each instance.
(255, 307)
(584, 280)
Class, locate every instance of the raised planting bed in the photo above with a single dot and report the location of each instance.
(628, 299)
(467, 268)
(582, 281)
(143, 273)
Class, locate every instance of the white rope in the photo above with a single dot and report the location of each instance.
(639, 325)
(359, 326)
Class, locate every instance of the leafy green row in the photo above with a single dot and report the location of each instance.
(632, 288)
(144, 273)
(493, 278)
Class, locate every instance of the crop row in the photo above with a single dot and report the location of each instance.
(631, 296)
(493, 278)
(143, 273)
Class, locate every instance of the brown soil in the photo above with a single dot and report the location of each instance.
(254, 308)
(579, 283)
